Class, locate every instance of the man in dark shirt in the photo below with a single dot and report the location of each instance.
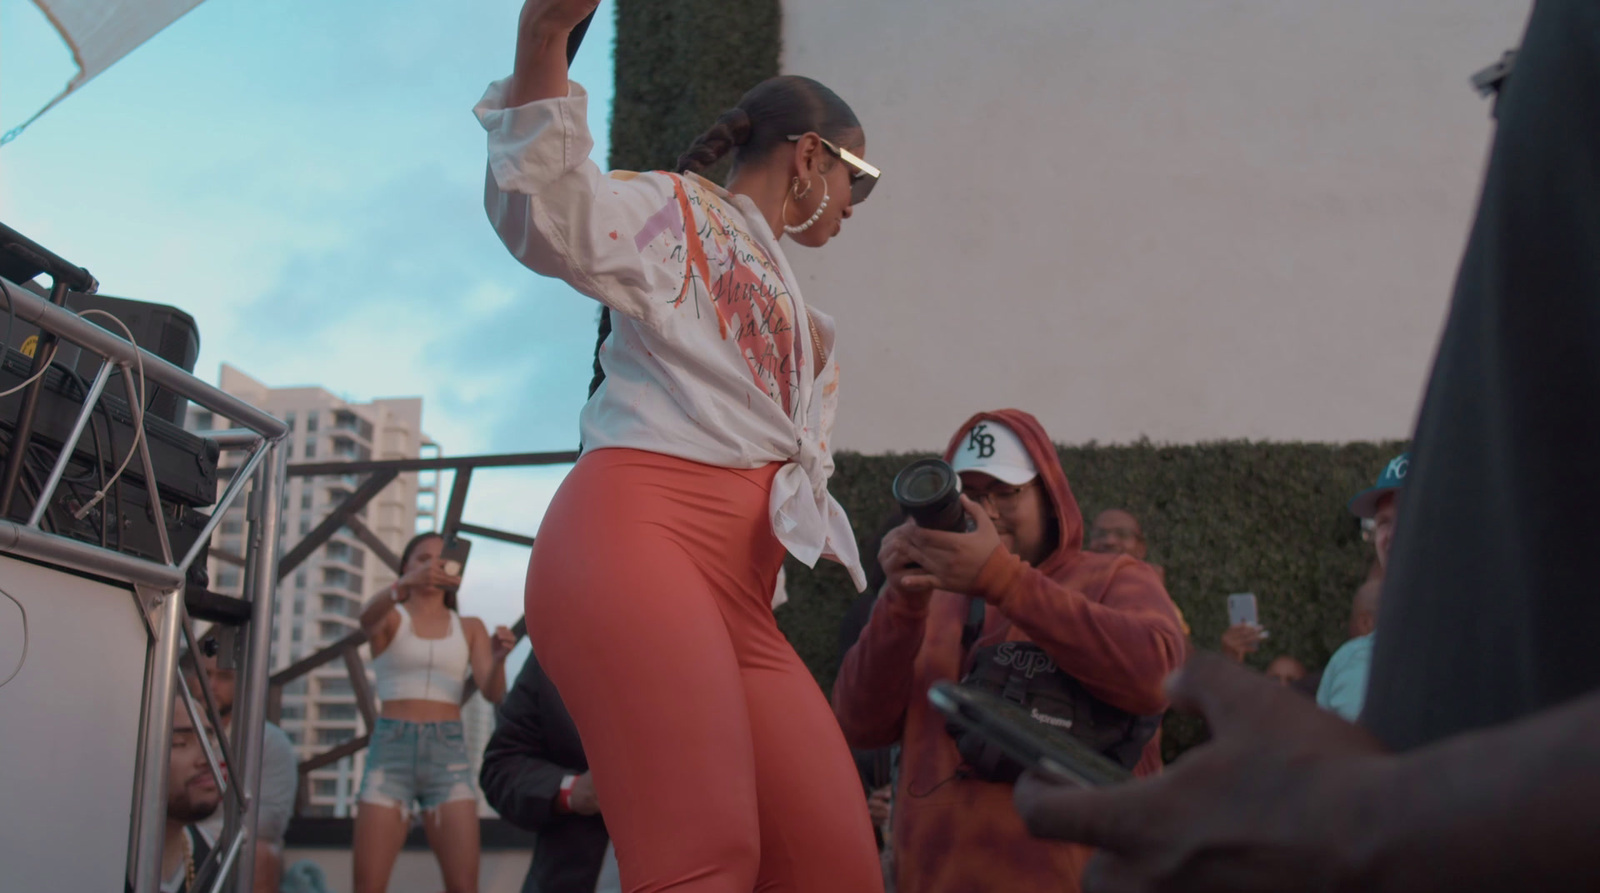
(192, 795)
(536, 776)
(1477, 765)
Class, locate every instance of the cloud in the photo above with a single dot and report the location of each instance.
(417, 296)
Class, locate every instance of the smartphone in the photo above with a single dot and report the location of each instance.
(1242, 609)
(453, 558)
(1043, 748)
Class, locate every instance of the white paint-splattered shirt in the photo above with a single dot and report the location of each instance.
(709, 357)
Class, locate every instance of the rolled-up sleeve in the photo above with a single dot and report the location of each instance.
(612, 237)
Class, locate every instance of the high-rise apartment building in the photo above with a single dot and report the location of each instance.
(320, 602)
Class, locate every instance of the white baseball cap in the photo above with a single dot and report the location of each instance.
(993, 449)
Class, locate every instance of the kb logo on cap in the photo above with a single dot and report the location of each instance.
(981, 441)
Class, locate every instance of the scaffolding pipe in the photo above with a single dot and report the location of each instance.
(155, 745)
(249, 715)
(71, 446)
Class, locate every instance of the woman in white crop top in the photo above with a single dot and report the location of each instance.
(422, 653)
(715, 758)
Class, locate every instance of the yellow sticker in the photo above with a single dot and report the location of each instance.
(30, 345)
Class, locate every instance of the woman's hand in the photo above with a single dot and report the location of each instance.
(1241, 639)
(878, 806)
(501, 643)
(540, 71)
(554, 17)
(427, 576)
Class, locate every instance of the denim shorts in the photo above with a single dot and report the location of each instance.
(422, 763)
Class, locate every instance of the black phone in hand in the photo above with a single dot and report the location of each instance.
(1049, 751)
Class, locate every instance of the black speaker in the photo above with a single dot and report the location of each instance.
(165, 331)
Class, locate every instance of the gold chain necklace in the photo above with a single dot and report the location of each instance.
(816, 341)
(188, 863)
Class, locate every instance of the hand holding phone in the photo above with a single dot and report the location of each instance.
(1242, 609)
(453, 558)
(1040, 747)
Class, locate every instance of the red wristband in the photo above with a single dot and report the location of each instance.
(564, 796)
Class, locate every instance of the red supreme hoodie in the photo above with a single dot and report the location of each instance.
(1106, 619)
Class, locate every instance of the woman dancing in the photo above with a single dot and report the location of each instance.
(715, 757)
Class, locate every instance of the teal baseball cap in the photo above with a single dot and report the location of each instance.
(1392, 478)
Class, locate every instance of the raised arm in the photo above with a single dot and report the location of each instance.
(540, 70)
(619, 238)
(378, 619)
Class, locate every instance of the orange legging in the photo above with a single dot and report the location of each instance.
(716, 759)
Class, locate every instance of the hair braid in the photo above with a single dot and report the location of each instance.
(732, 128)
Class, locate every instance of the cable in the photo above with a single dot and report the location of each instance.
(138, 417)
(43, 368)
(24, 658)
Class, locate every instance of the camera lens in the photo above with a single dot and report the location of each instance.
(930, 492)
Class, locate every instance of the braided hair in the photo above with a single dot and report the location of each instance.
(764, 119)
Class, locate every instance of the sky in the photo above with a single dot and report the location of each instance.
(305, 179)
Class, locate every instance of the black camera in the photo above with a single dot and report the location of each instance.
(929, 491)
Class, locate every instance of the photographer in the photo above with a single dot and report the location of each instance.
(1104, 620)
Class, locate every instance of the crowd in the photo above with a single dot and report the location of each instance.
(688, 748)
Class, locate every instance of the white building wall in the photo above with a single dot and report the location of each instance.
(1185, 220)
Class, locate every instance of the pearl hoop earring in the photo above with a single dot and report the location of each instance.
(815, 215)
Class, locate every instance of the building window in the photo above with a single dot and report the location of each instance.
(333, 576)
(311, 448)
(335, 685)
(336, 711)
(311, 422)
(294, 634)
(305, 501)
(294, 736)
(299, 606)
(331, 631)
(204, 421)
(346, 553)
(228, 577)
(341, 606)
(292, 711)
(325, 787)
(232, 526)
(305, 526)
(300, 578)
(288, 419)
(334, 736)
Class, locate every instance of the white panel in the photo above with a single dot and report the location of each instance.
(1187, 220)
(69, 729)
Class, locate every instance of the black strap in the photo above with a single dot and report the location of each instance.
(977, 608)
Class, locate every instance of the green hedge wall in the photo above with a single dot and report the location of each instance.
(1267, 518)
(680, 63)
